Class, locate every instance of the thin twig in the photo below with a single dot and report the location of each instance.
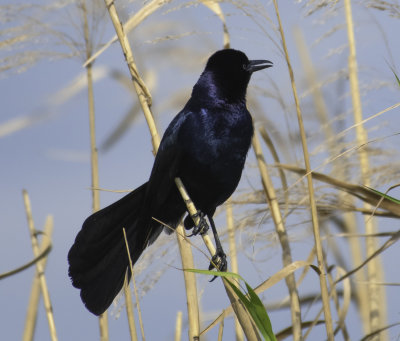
(190, 283)
(39, 269)
(233, 257)
(178, 326)
(134, 284)
(314, 214)
(103, 318)
(145, 101)
(129, 309)
(376, 295)
(282, 235)
(31, 314)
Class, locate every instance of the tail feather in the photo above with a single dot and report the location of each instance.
(98, 259)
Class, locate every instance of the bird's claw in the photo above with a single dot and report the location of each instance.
(219, 262)
(202, 227)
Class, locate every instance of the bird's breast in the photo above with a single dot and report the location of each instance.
(216, 149)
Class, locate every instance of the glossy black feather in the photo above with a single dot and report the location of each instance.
(205, 145)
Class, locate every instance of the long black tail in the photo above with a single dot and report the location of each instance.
(98, 259)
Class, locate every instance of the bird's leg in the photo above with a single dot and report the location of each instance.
(201, 227)
(218, 261)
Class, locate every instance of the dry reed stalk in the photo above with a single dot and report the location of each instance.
(134, 284)
(244, 318)
(129, 310)
(248, 326)
(282, 235)
(148, 9)
(221, 330)
(271, 281)
(138, 305)
(31, 314)
(341, 311)
(377, 294)
(314, 214)
(193, 212)
(140, 88)
(103, 318)
(361, 292)
(39, 268)
(233, 257)
(190, 283)
(145, 102)
(178, 327)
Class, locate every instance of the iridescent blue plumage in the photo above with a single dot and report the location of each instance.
(206, 146)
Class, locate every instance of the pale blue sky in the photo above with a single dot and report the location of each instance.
(51, 158)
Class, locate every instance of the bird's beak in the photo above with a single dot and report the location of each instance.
(256, 65)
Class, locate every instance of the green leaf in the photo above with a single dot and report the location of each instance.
(251, 301)
(215, 273)
(388, 197)
(397, 77)
(261, 312)
(257, 311)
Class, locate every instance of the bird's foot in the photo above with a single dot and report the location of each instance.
(219, 262)
(202, 227)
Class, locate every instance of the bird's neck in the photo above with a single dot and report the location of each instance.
(210, 89)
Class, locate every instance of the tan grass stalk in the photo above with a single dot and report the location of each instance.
(103, 318)
(216, 8)
(134, 284)
(221, 330)
(233, 257)
(271, 281)
(282, 235)
(361, 192)
(140, 88)
(341, 310)
(178, 327)
(268, 141)
(190, 283)
(145, 101)
(132, 22)
(148, 9)
(138, 305)
(129, 309)
(249, 328)
(377, 295)
(244, 318)
(395, 237)
(31, 314)
(349, 218)
(193, 212)
(39, 268)
(314, 217)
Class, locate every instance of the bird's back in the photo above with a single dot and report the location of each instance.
(216, 141)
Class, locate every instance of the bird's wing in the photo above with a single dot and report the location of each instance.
(167, 163)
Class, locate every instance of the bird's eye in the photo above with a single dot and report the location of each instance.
(244, 66)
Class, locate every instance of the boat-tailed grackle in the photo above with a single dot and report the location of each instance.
(206, 146)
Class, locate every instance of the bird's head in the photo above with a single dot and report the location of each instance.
(228, 73)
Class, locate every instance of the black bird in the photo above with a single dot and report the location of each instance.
(206, 146)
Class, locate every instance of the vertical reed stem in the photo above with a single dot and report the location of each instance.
(103, 319)
(282, 235)
(31, 314)
(233, 257)
(178, 327)
(39, 268)
(314, 214)
(129, 310)
(190, 283)
(377, 297)
(134, 283)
